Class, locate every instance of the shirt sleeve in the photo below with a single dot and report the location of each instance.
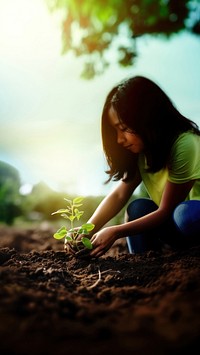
(184, 159)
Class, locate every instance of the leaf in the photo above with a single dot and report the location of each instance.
(61, 233)
(62, 229)
(64, 215)
(63, 210)
(88, 227)
(76, 211)
(87, 243)
(69, 239)
(77, 204)
(79, 214)
(78, 200)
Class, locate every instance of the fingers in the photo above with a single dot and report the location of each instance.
(98, 251)
(68, 247)
(97, 255)
(92, 239)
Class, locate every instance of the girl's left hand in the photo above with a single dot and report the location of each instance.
(102, 241)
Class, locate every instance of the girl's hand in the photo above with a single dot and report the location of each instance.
(69, 246)
(102, 241)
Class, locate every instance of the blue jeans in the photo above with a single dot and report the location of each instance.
(180, 230)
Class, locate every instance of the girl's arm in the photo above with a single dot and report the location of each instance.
(172, 196)
(113, 203)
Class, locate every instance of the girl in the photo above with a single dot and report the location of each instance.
(147, 140)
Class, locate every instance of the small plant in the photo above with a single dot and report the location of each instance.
(72, 213)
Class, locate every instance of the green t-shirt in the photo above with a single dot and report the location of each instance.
(184, 165)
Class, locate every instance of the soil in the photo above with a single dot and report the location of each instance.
(54, 303)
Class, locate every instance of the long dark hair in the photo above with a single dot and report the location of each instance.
(144, 108)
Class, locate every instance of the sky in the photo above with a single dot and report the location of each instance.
(50, 117)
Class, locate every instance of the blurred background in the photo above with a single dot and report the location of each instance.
(58, 61)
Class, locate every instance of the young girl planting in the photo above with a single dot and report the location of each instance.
(147, 140)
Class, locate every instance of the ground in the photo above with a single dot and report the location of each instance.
(52, 303)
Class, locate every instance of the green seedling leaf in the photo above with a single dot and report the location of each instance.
(61, 211)
(69, 239)
(76, 211)
(77, 200)
(61, 233)
(87, 243)
(64, 215)
(88, 227)
(79, 214)
(77, 204)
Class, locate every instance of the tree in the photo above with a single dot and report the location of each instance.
(10, 199)
(94, 28)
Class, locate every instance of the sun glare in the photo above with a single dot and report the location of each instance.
(50, 116)
(25, 26)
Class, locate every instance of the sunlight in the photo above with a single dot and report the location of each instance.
(50, 118)
(25, 26)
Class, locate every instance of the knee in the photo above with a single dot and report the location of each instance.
(187, 217)
(139, 208)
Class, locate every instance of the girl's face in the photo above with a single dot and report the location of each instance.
(125, 136)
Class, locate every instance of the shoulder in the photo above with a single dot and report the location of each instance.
(184, 157)
(186, 143)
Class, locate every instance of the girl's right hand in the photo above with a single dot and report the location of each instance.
(103, 240)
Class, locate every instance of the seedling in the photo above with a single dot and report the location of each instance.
(71, 235)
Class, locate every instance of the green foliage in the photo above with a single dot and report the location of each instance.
(92, 27)
(10, 199)
(71, 235)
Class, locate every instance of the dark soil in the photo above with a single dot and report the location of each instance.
(53, 303)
